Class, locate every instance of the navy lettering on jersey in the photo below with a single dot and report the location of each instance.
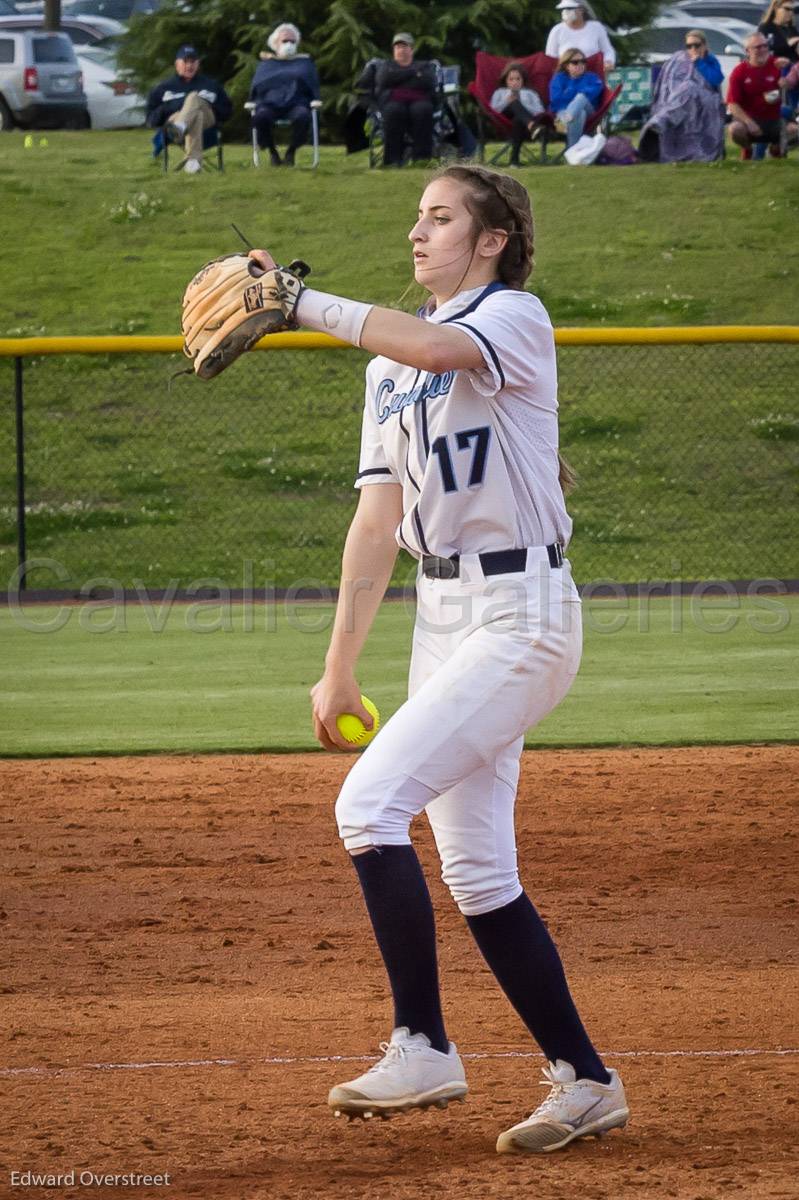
(388, 402)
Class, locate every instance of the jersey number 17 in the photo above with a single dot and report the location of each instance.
(463, 441)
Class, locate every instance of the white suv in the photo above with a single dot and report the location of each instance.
(41, 86)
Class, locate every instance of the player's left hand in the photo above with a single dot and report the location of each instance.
(336, 693)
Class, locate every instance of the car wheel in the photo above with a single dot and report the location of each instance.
(6, 120)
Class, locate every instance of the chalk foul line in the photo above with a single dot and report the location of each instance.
(309, 1060)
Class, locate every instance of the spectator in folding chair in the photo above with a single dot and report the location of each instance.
(578, 30)
(285, 88)
(574, 95)
(188, 105)
(403, 91)
(520, 104)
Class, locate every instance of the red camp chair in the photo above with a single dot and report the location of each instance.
(539, 69)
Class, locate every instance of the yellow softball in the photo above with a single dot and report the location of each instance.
(352, 728)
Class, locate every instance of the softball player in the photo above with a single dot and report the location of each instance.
(459, 464)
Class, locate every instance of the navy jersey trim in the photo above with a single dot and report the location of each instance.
(496, 286)
(408, 454)
(417, 520)
(489, 348)
(425, 431)
(374, 471)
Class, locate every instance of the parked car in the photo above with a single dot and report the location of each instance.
(113, 101)
(40, 81)
(117, 10)
(80, 31)
(666, 35)
(750, 11)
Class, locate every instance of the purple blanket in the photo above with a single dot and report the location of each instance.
(686, 122)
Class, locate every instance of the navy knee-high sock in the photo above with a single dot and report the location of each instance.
(516, 944)
(401, 912)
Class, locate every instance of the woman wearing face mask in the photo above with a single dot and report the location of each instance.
(577, 30)
(284, 85)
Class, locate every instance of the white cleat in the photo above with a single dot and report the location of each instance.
(410, 1075)
(192, 166)
(574, 1108)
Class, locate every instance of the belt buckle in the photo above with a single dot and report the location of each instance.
(435, 567)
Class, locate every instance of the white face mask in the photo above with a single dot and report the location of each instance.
(571, 15)
(286, 49)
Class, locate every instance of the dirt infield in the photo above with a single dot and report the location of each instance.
(184, 947)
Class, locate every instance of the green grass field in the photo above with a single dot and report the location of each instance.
(103, 680)
(688, 456)
(106, 242)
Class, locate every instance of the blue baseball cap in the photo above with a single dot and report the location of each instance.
(187, 52)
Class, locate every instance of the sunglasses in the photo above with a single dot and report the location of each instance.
(693, 45)
(576, 62)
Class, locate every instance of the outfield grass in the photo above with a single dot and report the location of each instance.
(114, 241)
(654, 245)
(108, 680)
(688, 457)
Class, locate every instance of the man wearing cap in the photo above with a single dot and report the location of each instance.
(577, 30)
(403, 91)
(188, 104)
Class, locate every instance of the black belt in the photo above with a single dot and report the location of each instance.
(493, 562)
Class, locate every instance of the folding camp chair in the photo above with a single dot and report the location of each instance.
(212, 140)
(630, 109)
(249, 107)
(494, 125)
(539, 69)
(451, 138)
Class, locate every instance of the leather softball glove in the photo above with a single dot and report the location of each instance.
(231, 304)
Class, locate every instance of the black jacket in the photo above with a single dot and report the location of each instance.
(381, 75)
(778, 39)
(168, 98)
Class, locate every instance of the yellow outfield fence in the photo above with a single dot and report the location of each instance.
(676, 335)
(117, 466)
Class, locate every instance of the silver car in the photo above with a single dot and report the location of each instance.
(41, 86)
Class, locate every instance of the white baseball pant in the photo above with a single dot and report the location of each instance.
(491, 657)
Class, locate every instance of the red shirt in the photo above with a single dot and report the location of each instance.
(748, 85)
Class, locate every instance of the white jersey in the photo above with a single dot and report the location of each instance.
(476, 452)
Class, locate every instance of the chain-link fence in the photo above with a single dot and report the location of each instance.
(688, 459)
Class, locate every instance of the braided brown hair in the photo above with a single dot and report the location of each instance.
(498, 201)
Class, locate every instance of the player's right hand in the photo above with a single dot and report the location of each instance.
(334, 694)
